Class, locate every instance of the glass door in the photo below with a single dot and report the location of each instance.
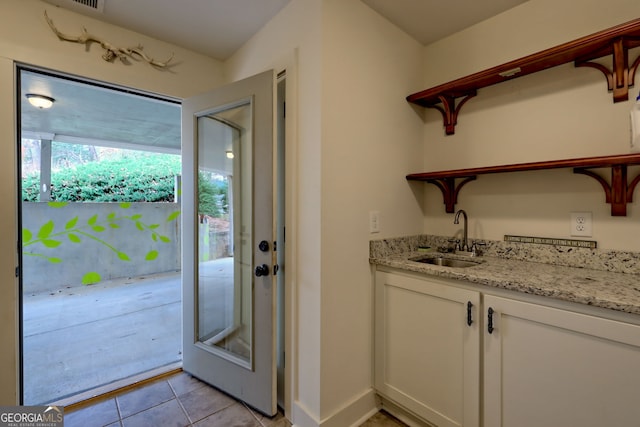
(228, 287)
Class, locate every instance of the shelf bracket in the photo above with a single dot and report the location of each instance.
(450, 190)
(450, 111)
(621, 77)
(619, 192)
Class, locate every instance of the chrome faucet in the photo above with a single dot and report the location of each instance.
(456, 220)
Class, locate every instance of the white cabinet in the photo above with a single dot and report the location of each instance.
(550, 367)
(427, 355)
(551, 364)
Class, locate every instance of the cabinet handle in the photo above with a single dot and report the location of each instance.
(469, 320)
(490, 322)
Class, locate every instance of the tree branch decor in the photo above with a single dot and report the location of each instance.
(111, 52)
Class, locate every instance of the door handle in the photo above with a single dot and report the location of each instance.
(262, 270)
(469, 319)
(490, 320)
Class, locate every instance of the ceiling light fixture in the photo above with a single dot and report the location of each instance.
(40, 101)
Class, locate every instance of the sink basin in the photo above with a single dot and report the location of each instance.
(446, 262)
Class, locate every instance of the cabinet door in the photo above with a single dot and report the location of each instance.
(550, 367)
(426, 354)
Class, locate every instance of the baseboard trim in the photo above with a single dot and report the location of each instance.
(402, 414)
(353, 413)
(301, 416)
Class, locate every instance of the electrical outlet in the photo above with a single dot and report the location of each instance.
(581, 224)
(374, 222)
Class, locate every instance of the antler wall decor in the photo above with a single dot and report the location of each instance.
(111, 52)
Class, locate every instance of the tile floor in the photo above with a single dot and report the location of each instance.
(181, 400)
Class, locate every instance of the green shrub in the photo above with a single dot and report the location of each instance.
(142, 179)
(139, 179)
(212, 196)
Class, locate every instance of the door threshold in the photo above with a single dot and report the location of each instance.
(90, 397)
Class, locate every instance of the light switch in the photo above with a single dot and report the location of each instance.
(374, 221)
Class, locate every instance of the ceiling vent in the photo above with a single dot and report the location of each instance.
(80, 6)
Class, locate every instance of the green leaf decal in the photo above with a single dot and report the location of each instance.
(26, 235)
(114, 225)
(74, 238)
(165, 239)
(72, 223)
(136, 216)
(173, 216)
(154, 226)
(125, 205)
(139, 226)
(151, 255)
(54, 260)
(57, 204)
(154, 237)
(111, 216)
(50, 243)
(91, 278)
(45, 230)
(98, 228)
(93, 219)
(123, 256)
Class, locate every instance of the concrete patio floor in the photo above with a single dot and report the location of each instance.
(79, 338)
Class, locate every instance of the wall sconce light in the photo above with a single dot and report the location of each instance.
(40, 101)
(230, 154)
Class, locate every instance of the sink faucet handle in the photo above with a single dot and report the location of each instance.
(474, 248)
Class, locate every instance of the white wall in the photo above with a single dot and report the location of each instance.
(25, 37)
(9, 261)
(292, 41)
(355, 138)
(370, 140)
(561, 113)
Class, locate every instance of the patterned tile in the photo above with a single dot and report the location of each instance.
(144, 398)
(100, 414)
(277, 420)
(167, 414)
(197, 404)
(183, 383)
(204, 401)
(236, 415)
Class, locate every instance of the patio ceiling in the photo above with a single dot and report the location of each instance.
(94, 115)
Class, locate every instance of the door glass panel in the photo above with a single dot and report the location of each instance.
(224, 286)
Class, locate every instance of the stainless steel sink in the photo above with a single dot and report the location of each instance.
(446, 262)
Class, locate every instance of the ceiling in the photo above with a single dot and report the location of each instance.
(431, 20)
(216, 28)
(89, 114)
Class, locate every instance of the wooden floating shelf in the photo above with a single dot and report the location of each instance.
(618, 193)
(615, 41)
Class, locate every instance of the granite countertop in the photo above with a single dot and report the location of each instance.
(606, 289)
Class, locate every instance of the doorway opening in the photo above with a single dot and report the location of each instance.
(101, 238)
(101, 266)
